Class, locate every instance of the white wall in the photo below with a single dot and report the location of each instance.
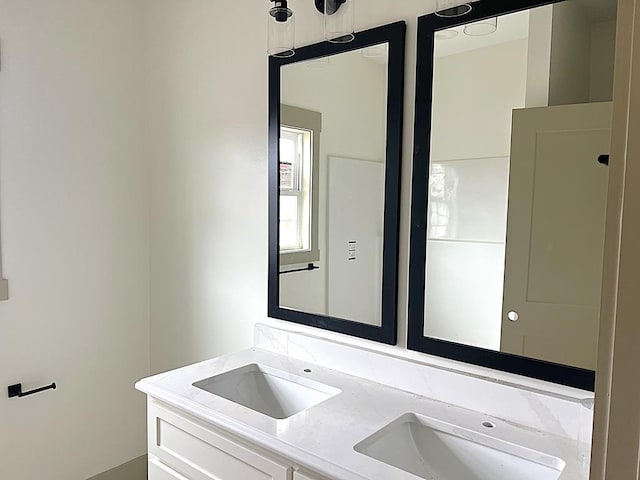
(208, 135)
(474, 93)
(209, 168)
(582, 57)
(74, 216)
(85, 100)
(603, 45)
(355, 239)
(538, 56)
(570, 55)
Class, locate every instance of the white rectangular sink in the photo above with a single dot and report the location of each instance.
(272, 392)
(436, 450)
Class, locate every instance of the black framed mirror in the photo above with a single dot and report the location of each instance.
(335, 137)
(513, 113)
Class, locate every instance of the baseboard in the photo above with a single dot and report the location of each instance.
(135, 469)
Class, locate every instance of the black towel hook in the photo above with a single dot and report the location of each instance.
(16, 390)
(309, 267)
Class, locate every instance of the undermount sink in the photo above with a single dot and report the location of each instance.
(436, 450)
(269, 391)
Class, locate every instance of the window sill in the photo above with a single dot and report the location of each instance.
(299, 258)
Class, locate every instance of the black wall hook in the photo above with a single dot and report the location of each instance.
(16, 390)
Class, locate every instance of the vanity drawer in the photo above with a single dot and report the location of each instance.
(306, 476)
(202, 454)
(160, 471)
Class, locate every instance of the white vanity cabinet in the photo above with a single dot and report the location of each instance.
(183, 448)
(305, 476)
(160, 471)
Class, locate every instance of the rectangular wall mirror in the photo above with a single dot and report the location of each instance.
(512, 134)
(334, 183)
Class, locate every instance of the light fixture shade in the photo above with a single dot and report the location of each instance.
(339, 20)
(447, 34)
(452, 8)
(380, 50)
(281, 31)
(483, 27)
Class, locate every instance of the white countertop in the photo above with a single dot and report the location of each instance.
(322, 437)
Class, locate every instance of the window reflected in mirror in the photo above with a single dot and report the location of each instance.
(297, 217)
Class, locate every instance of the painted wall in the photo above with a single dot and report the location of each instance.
(603, 45)
(350, 92)
(474, 94)
(538, 56)
(74, 214)
(208, 132)
(124, 121)
(571, 56)
(208, 176)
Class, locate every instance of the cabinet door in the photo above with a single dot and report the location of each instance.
(199, 453)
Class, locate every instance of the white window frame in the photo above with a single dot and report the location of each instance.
(308, 123)
(300, 186)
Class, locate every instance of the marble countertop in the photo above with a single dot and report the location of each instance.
(322, 437)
